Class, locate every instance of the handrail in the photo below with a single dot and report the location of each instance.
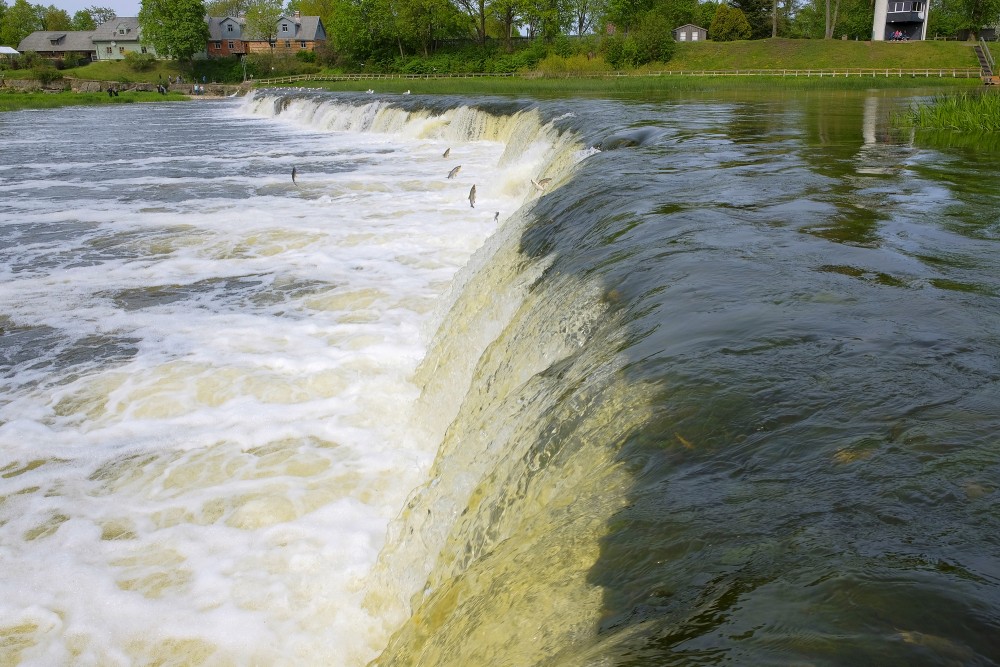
(937, 72)
(986, 52)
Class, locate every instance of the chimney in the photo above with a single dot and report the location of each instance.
(298, 14)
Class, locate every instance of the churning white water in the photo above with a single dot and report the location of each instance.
(205, 413)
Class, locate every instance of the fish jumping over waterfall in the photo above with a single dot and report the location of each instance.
(293, 175)
(453, 172)
(446, 153)
(472, 197)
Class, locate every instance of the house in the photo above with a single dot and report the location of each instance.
(293, 34)
(690, 33)
(900, 20)
(225, 36)
(59, 43)
(121, 35)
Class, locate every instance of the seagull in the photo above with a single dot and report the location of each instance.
(453, 172)
(370, 91)
(472, 197)
(407, 92)
(446, 152)
(496, 217)
(293, 175)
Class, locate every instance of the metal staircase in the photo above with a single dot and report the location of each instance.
(986, 64)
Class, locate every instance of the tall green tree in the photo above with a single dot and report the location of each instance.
(175, 28)
(262, 18)
(974, 15)
(82, 20)
(226, 7)
(20, 20)
(101, 15)
(757, 14)
(729, 25)
(626, 14)
(54, 18)
(476, 11)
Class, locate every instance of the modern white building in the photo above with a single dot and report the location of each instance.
(900, 20)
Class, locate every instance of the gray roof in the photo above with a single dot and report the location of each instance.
(7, 51)
(43, 41)
(112, 30)
(215, 24)
(306, 27)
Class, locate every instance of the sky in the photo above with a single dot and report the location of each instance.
(121, 7)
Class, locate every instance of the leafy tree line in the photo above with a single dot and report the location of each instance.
(428, 35)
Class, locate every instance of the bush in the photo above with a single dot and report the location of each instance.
(139, 62)
(45, 74)
(306, 56)
(729, 24)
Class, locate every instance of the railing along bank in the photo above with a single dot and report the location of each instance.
(927, 72)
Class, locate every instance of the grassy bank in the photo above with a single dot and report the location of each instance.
(12, 101)
(636, 85)
(820, 54)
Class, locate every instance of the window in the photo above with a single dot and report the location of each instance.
(121, 49)
(143, 49)
(229, 27)
(121, 31)
(302, 44)
(918, 6)
(684, 36)
(288, 43)
(230, 45)
(284, 27)
(107, 49)
(694, 35)
(218, 44)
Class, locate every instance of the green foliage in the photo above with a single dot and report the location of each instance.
(306, 56)
(139, 62)
(971, 15)
(757, 14)
(650, 42)
(100, 15)
(45, 74)
(729, 25)
(262, 18)
(82, 20)
(19, 20)
(218, 70)
(962, 112)
(55, 19)
(175, 28)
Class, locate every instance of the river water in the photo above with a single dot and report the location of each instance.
(723, 391)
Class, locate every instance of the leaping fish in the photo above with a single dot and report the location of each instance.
(540, 185)
(496, 217)
(293, 175)
(472, 197)
(447, 152)
(451, 174)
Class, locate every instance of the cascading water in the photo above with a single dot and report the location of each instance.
(722, 393)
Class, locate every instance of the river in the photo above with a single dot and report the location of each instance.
(706, 379)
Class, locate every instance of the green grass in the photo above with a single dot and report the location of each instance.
(633, 85)
(964, 112)
(820, 54)
(13, 101)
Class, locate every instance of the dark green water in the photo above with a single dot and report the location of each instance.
(795, 372)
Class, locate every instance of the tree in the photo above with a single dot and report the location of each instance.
(54, 18)
(729, 24)
(584, 14)
(974, 15)
(19, 20)
(262, 18)
(82, 20)
(226, 7)
(476, 11)
(101, 15)
(757, 14)
(174, 27)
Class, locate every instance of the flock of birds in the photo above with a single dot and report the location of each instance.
(539, 185)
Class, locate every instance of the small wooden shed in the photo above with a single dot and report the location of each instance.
(690, 33)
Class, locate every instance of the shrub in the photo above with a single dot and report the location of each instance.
(729, 24)
(139, 62)
(45, 74)
(306, 56)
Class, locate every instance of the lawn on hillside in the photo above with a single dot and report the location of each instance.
(820, 54)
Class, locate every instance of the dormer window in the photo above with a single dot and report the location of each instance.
(284, 27)
(121, 30)
(229, 27)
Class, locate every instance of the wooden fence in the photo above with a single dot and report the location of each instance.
(957, 73)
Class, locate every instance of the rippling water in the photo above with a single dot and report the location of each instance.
(723, 393)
